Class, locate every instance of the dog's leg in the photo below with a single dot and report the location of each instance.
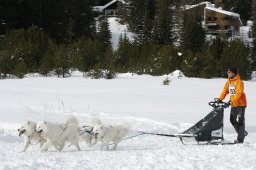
(116, 142)
(25, 144)
(102, 146)
(78, 147)
(115, 146)
(107, 146)
(75, 142)
(46, 146)
(42, 143)
(91, 141)
(94, 140)
(61, 146)
(56, 147)
(88, 141)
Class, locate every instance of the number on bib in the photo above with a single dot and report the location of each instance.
(232, 89)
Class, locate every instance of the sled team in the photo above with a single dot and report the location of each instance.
(49, 134)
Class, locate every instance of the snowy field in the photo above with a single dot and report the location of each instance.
(143, 102)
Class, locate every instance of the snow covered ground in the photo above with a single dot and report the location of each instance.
(117, 30)
(143, 102)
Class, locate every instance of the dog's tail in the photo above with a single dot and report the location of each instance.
(71, 120)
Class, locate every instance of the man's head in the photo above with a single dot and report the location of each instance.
(232, 72)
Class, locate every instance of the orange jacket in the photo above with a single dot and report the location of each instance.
(235, 87)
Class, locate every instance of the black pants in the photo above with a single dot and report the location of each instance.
(238, 121)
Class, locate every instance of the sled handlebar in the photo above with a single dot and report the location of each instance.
(217, 103)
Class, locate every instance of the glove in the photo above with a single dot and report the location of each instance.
(226, 105)
(218, 100)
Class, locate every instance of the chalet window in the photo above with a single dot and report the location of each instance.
(209, 18)
(212, 27)
(233, 19)
(215, 18)
(227, 27)
(226, 18)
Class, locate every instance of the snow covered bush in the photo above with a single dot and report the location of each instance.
(167, 81)
(99, 73)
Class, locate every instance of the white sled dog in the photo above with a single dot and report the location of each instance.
(57, 134)
(28, 131)
(87, 132)
(109, 134)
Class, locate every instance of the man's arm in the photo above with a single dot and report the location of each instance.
(224, 92)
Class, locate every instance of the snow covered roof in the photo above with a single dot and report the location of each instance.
(223, 11)
(187, 7)
(232, 14)
(101, 8)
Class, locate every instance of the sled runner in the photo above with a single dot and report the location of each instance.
(208, 130)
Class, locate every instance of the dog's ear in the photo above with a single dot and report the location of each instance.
(28, 122)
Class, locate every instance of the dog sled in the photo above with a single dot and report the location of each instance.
(208, 130)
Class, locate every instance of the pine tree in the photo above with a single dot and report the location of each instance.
(7, 63)
(236, 54)
(163, 24)
(86, 54)
(219, 4)
(122, 54)
(253, 53)
(20, 69)
(109, 63)
(187, 66)
(139, 15)
(192, 64)
(192, 33)
(47, 64)
(70, 31)
(8, 13)
(212, 58)
(146, 58)
(104, 34)
(244, 8)
(56, 18)
(216, 47)
(166, 60)
(210, 66)
(27, 14)
(30, 45)
(52, 16)
(228, 4)
(62, 61)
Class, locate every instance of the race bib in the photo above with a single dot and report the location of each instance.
(232, 90)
